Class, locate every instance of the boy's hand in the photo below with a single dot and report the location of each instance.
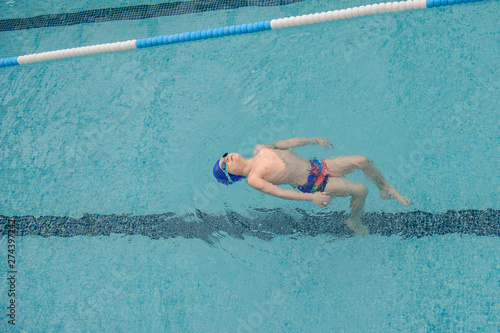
(321, 198)
(324, 143)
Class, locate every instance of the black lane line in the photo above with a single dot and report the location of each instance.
(264, 224)
(138, 12)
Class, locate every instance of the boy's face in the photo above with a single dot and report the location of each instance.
(234, 163)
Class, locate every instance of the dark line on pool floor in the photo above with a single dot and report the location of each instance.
(138, 12)
(264, 224)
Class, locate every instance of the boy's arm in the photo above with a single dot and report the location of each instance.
(319, 198)
(297, 142)
(266, 187)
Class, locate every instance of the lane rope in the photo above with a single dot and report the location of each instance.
(286, 22)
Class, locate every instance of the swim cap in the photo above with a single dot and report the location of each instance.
(221, 177)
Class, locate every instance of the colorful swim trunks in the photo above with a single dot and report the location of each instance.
(317, 179)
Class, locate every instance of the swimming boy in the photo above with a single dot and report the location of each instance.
(317, 180)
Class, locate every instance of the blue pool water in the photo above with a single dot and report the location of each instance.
(137, 133)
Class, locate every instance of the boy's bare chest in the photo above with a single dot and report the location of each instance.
(267, 162)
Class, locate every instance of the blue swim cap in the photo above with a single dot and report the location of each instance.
(221, 177)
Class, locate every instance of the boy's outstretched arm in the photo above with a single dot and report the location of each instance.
(297, 142)
(319, 198)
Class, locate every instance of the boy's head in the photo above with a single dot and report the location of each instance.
(221, 170)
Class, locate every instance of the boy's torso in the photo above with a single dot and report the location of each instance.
(281, 166)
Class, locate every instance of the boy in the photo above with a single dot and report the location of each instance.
(317, 180)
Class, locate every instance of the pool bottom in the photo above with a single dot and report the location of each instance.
(445, 283)
(263, 224)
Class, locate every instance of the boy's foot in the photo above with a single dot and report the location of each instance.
(391, 192)
(358, 228)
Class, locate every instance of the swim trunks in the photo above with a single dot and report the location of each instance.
(317, 179)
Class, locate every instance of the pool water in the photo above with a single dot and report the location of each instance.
(136, 133)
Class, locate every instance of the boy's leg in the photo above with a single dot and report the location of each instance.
(343, 165)
(337, 187)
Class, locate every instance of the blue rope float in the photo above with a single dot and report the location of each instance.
(293, 21)
(203, 34)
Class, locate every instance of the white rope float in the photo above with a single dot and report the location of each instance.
(287, 22)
